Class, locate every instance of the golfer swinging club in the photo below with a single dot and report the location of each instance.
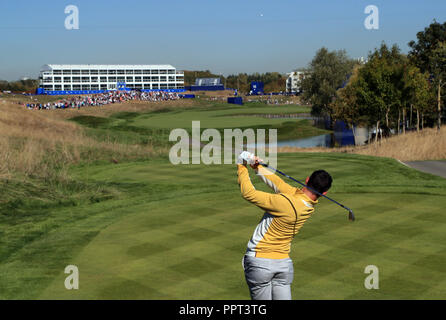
(268, 267)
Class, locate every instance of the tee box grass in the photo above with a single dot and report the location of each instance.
(180, 232)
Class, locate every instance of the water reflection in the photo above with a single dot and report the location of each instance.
(329, 140)
(324, 140)
(341, 136)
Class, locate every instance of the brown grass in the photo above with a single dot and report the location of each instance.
(41, 143)
(428, 144)
(104, 111)
(107, 110)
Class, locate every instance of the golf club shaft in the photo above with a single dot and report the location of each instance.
(351, 216)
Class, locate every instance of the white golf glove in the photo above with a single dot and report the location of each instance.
(246, 156)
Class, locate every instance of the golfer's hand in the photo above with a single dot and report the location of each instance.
(245, 157)
(256, 163)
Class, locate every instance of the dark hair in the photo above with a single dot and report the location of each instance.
(320, 181)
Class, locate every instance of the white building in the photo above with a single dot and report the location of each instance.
(110, 77)
(362, 60)
(293, 81)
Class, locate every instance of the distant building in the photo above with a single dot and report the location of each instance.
(293, 82)
(207, 81)
(362, 60)
(206, 84)
(66, 79)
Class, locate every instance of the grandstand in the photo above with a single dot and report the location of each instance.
(79, 79)
(206, 84)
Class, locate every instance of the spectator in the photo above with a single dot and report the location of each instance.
(105, 98)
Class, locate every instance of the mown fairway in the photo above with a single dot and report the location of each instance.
(154, 127)
(179, 232)
(219, 116)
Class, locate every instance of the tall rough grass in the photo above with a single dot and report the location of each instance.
(33, 144)
(129, 106)
(428, 144)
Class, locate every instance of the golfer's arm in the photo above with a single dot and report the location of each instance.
(273, 181)
(273, 203)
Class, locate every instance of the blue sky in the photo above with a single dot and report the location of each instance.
(222, 36)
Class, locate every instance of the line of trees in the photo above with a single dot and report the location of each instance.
(190, 76)
(273, 81)
(387, 89)
(28, 85)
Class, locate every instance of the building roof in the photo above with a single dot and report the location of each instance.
(106, 66)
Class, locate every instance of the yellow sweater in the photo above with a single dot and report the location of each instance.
(274, 233)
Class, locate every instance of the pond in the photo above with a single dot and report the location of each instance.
(341, 136)
(329, 140)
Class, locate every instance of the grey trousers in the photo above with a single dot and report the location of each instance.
(268, 279)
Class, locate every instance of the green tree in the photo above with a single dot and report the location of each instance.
(327, 72)
(273, 81)
(417, 91)
(29, 85)
(428, 53)
(379, 86)
(438, 67)
(346, 107)
(190, 76)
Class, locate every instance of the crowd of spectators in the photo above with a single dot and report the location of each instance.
(102, 99)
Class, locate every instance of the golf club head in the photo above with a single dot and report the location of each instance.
(351, 216)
